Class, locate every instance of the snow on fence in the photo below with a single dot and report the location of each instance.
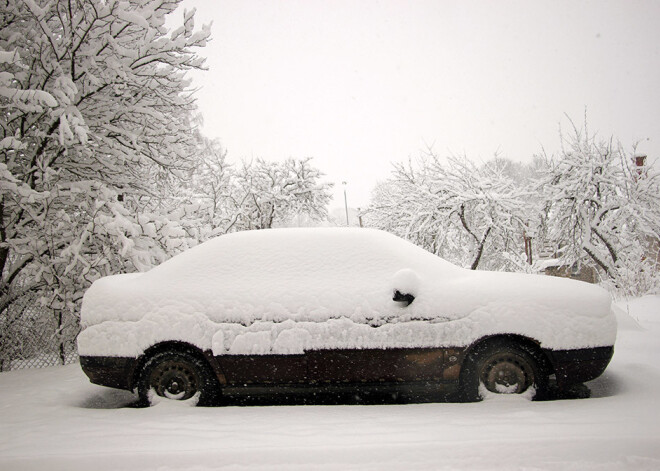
(33, 336)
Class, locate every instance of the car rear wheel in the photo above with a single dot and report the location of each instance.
(503, 368)
(177, 376)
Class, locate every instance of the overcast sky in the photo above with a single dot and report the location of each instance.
(360, 84)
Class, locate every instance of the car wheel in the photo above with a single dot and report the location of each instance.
(502, 368)
(177, 376)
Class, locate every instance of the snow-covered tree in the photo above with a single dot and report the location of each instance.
(270, 193)
(603, 210)
(458, 210)
(95, 129)
(213, 188)
(255, 195)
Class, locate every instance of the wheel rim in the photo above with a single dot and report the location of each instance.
(175, 380)
(506, 373)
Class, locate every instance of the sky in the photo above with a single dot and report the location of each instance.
(358, 85)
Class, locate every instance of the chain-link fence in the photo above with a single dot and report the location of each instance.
(33, 336)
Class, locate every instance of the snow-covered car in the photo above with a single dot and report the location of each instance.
(287, 310)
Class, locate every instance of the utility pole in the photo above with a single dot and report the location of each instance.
(345, 202)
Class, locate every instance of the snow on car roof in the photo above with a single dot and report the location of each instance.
(285, 250)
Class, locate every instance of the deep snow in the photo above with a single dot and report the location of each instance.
(55, 419)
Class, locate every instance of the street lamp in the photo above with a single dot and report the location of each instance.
(345, 202)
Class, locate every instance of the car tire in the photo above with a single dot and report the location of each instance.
(177, 376)
(503, 367)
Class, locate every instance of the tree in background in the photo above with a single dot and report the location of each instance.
(593, 204)
(95, 132)
(211, 188)
(465, 213)
(273, 193)
(603, 210)
(255, 195)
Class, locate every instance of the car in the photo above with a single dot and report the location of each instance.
(335, 310)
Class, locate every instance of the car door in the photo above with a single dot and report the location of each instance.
(375, 365)
(264, 369)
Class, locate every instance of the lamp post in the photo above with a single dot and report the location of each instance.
(345, 202)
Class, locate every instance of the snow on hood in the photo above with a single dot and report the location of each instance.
(241, 292)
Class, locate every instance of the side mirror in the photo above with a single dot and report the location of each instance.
(405, 282)
(405, 298)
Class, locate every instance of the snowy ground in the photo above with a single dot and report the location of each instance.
(55, 419)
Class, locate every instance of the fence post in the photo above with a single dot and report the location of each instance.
(60, 340)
